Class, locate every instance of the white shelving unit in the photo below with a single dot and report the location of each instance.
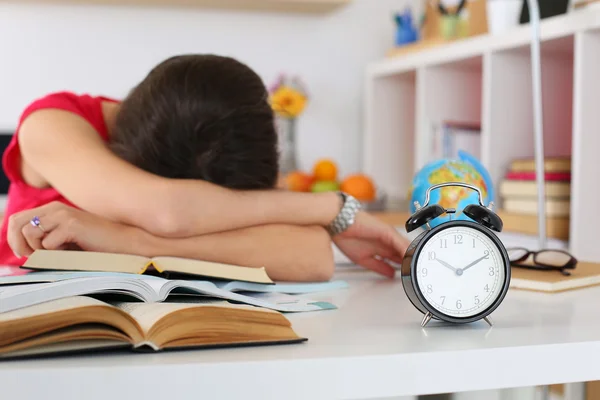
(487, 79)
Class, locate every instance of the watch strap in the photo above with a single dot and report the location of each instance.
(345, 218)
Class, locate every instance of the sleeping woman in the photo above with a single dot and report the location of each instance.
(186, 165)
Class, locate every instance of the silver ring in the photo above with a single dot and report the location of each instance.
(35, 221)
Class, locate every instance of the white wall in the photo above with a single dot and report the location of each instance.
(106, 50)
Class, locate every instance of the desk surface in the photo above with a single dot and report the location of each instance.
(372, 346)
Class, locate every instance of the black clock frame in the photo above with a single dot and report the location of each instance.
(408, 270)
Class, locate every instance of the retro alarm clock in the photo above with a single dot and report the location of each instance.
(459, 271)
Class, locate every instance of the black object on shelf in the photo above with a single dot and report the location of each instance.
(5, 138)
(548, 8)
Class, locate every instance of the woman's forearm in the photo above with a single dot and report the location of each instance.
(288, 253)
(198, 208)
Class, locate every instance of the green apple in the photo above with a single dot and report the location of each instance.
(325, 186)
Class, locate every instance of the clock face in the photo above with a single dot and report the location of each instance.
(460, 271)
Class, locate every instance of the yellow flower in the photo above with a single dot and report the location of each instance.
(288, 102)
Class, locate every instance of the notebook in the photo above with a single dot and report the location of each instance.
(584, 275)
(77, 324)
(69, 260)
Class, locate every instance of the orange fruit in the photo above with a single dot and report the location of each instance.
(360, 186)
(325, 170)
(298, 181)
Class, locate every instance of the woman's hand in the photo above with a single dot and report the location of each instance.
(369, 242)
(64, 227)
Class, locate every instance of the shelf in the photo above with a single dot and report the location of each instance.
(550, 28)
(556, 228)
(487, 80)
(295, 6)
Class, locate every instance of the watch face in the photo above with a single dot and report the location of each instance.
(460, 271)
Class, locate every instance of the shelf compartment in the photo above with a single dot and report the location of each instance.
(390, 133)
(509, 119)
(447, 92)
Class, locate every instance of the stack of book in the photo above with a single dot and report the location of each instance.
(82, 301)
(518, 192)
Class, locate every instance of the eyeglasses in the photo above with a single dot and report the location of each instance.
(548, 259)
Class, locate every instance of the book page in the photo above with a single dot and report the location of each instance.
(211, 269)
(148, 314)
(50, 307)
(86, 261)
(18, 296)
(286, 287)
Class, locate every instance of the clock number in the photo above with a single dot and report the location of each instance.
(444, 243)
(476, 299)
(431, 255)
(424, 272)
(491, 271)
(458, 304)
(473, 242)
(443, 298)
(486, 254)
(486, 288)
(429, 289)
(458, 239)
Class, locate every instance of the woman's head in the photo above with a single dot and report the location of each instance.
(200, 117)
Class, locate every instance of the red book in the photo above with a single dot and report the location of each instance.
(530, 176)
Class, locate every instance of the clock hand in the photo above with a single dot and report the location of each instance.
(445, 264)
(475, 262)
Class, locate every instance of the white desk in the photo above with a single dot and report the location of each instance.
(372, 347)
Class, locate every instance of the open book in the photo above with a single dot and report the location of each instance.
(69, 260)
(38, 287)
(78, 324)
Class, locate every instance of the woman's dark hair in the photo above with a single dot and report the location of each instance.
(200, 117)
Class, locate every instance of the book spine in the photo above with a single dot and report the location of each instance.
(530, 176)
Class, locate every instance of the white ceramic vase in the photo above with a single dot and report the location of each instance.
(503, 15)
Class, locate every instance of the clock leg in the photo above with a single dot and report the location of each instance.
(426, 319)
(488, 320)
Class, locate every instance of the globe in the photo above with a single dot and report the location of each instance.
(465, 169)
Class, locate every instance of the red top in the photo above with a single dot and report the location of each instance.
(21, 196)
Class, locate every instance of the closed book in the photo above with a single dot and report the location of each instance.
(553, 207)
(81, 323)
(514, 188)
(556, 227)
(532, 176)
(585, 274)
(551, 164)
(59, 260)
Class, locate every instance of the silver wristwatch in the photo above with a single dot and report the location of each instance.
(345, 217)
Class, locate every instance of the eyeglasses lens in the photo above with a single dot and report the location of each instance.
(516, 254)
(553, 258)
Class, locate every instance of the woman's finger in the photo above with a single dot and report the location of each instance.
(16, 222)
(378, 266)
(15, 237)
(34, 234)
(390, 253)
(57, 239)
